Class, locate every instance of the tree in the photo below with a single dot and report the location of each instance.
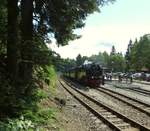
(56, 17)
(28, 25)
(117, 62)
(106, 59)
(79, 60)
(27, 40)
(12, 39)
(140, 53)
(62, 17)
(3, 28)
(98, 59)
(113, 50)
(127, 55)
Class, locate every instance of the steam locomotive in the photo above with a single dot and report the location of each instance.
(90, 75)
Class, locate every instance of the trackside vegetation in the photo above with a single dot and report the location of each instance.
(27, 65)
(36, 115)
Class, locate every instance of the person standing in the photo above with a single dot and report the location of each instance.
(131, 79)
(119, 78)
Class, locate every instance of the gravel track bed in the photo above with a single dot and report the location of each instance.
(120, 107)
(132, 94)
(144, 85)
(76, 117)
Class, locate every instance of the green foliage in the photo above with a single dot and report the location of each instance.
(41, 94)
(41, 54)
(47, 74)
(26, 62)
(114, 61)
(52, 76)
(46, 114)
(33, 115)
(29, 121)
(117, 62)
(113, 50)
(100, 58)
(140, 54)
(106, 59)
(3, 27)
(79, 60)
(128, 56)
(41, 116)
(66, 64)
(63, 17)
(20, 124)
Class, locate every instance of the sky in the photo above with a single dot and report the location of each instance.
(116, 24)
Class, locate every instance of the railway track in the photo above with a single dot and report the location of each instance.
(141, 82)
(134, 89)
(139, 105)
(134, 81)
(141, 91)
(115, 120)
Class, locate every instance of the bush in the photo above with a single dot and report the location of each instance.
(25, 106)
(20, 124)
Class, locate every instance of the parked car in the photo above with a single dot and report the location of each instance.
(137, 75)
(147, 77)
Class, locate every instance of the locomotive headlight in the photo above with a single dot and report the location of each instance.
(92, 77)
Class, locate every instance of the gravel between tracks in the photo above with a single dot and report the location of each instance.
(75, 117)
(129, 93)
(121, 107)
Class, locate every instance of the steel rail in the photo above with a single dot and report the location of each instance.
(140, 108)
(143, 91)
(138, 90)
(137, 100)
(131, 121)
(97, 114)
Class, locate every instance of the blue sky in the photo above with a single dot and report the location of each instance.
(115, 25)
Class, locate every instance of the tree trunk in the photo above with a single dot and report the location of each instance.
(26, 44)
(12, 38)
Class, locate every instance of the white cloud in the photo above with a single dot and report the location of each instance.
(94, 38)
